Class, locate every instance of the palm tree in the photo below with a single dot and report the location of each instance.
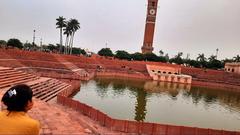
(201, 57)
(67, 32)
(61, 23)
(74, 25)
(202, 60)
(212, 58)
(236, 58)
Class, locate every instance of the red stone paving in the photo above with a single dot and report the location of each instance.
(56, 119)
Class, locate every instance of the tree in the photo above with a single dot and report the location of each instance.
(212, 58)
(161, 52)
(52, 47)
(60, 24)
(67, 32)
(74, 25)
(202, 60)
(150, 57)
(236, 58)
(78, 51)
(15, 43)
(162, 59)
(120, 54)
(177, 59)
(192, 63)
(214, 63)
(166, 57)
(29, 46)
(137, 56)
(105, 52)
(3, 42)
(226, 60)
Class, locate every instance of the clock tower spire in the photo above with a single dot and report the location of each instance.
(150, 26)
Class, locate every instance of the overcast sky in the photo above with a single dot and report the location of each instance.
(188, 26)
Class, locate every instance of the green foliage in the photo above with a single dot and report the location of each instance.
(137, 56)
(61, 22)
(122, 55)
(105, 52)
(236, 58)
(177, 59)
(202, 60)
(3, 42)
(228, 60)
(52, 47)
(70, 28)
(161, 53)
(30, 46)
(27, 45)
(192, 63)
(150, 57)
(162, 59)
(213, 63)
(15, 43)
(78, 51)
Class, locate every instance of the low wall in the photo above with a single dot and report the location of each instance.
(222, 86)
(123, 75)
(55, 73)
(132, 126)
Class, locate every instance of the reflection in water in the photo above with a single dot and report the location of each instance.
(140, 106)
(154, 101)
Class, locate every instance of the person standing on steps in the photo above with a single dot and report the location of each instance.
(14, 119)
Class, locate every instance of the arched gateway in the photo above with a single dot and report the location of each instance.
(150, 26)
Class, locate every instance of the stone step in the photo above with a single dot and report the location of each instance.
(9, 80)
(7, 73)
(2, 69)
(11, 75)
(53, 96)
(37, 87)
(37, 84)
(44, 87)
(54, 92)
(18, 81)
(45, 91)
(16, 76)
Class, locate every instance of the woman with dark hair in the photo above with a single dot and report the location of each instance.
(14, 119)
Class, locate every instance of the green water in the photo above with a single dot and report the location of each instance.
(163, 103)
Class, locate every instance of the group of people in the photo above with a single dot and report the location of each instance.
(13, 117)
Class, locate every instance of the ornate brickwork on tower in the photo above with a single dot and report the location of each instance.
(150, 26)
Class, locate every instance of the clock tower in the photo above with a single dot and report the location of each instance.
(150, 26)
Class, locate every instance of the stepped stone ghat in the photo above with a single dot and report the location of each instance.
(54, 78)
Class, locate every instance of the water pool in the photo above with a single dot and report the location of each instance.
(164, 103)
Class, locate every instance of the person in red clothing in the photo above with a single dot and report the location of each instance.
(14, 120)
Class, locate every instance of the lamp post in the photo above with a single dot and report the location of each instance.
(34, 37)
(106, 44)
(41, 44)
(217, 52)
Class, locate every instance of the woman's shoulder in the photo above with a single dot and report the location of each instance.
(34, 125)
(31, 121)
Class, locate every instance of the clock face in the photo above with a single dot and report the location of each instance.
(152, 11)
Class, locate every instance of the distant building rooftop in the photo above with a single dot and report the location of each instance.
(233, 67)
